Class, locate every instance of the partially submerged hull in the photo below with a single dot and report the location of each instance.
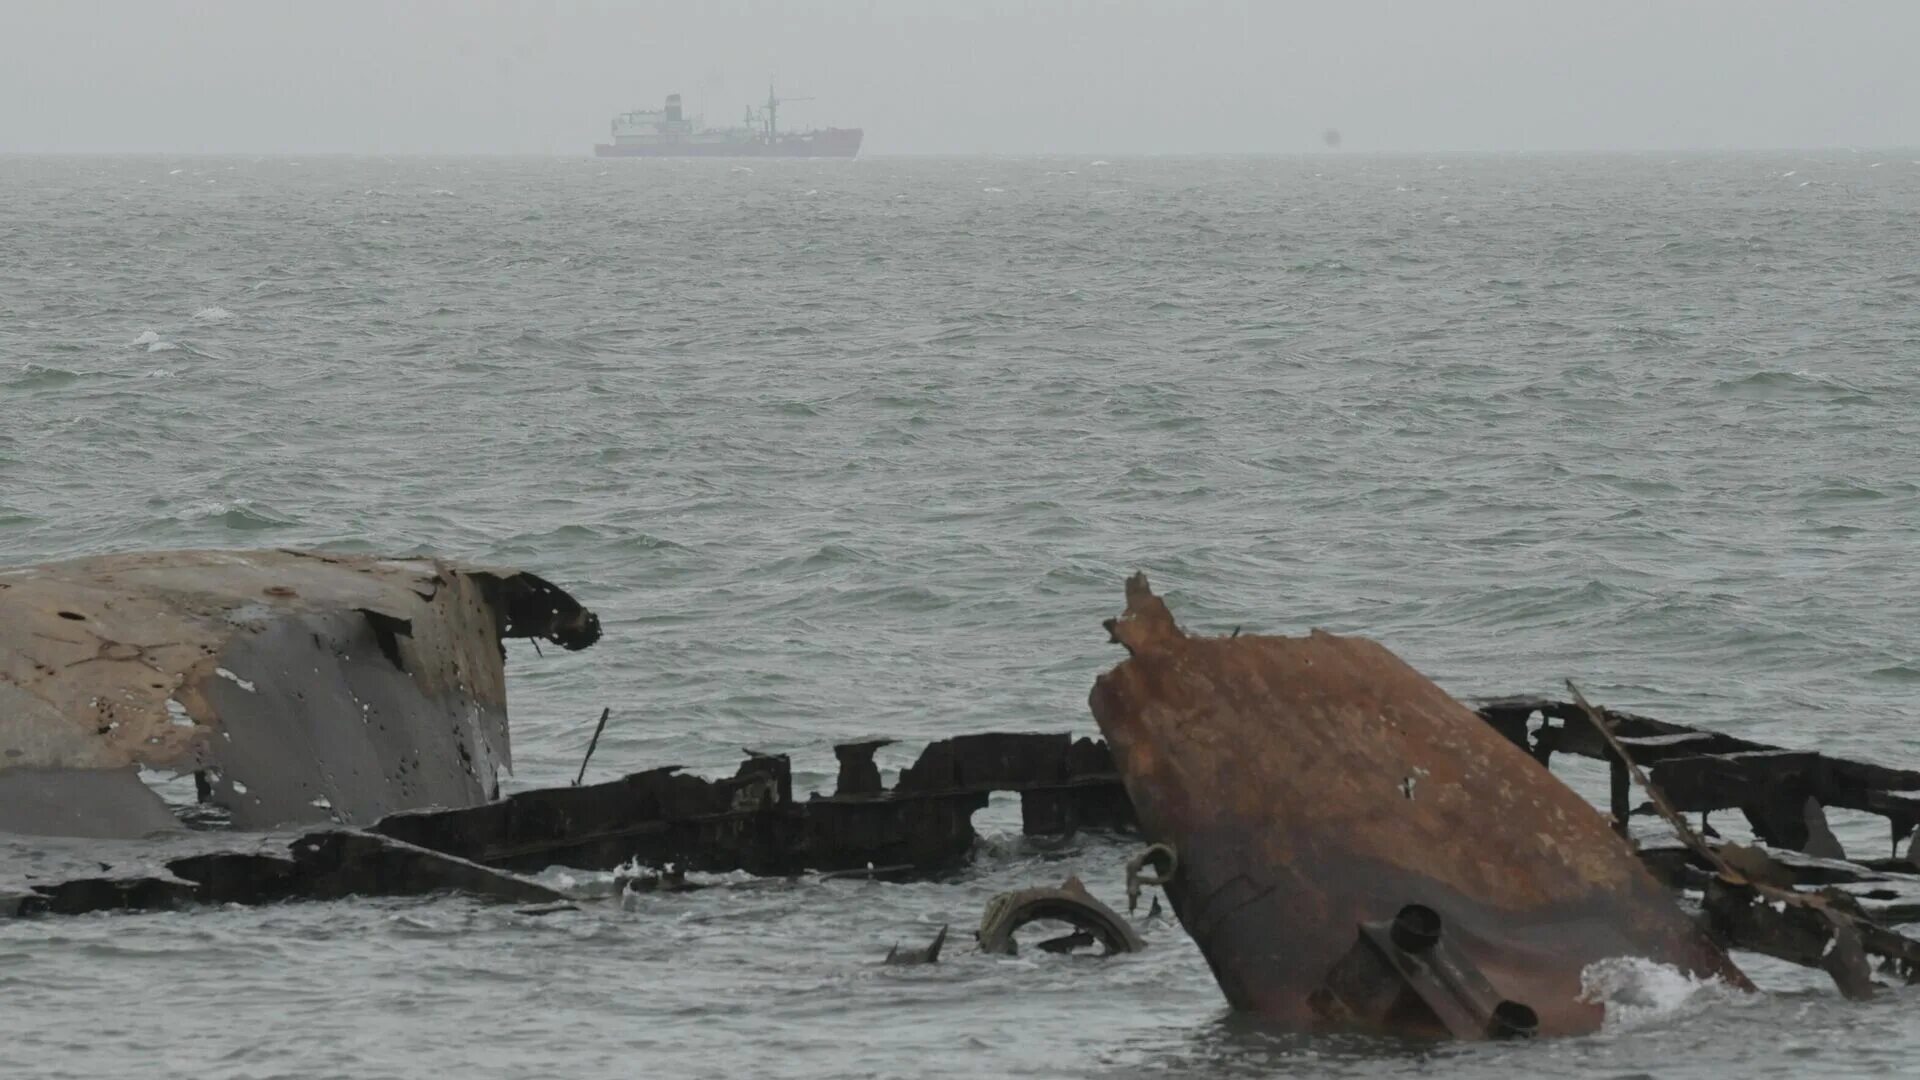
(1311, 787)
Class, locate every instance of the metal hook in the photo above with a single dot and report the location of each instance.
(1164, 859)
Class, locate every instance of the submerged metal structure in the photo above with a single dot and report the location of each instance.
(297, 687)
(1350, 847)
(1311, 788)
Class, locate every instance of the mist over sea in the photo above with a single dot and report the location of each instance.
(856, 449)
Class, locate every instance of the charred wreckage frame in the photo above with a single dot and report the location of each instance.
(1350, 848)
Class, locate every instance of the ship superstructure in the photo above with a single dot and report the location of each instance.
(671, 132)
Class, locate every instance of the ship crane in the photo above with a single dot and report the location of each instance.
(773, 110)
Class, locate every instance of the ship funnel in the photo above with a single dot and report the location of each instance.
(673, 108)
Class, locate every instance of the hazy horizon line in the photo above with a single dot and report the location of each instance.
(588, 155)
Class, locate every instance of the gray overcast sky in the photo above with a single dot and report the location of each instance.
(963, 76)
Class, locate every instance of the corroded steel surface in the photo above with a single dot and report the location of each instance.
(1312, 784)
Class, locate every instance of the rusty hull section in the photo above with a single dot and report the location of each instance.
(300, 687)
(1312, 786)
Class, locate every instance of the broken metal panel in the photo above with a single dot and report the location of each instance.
(858, 774)
(307, 687)
(1311, 785)
(190, 869)
(752, 822)
(80, 802)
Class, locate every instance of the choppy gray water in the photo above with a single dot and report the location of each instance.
(857, 448)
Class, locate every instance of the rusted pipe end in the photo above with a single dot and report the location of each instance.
(1416, 928)
(1512, 1020)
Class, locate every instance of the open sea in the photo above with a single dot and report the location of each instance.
(847, 449)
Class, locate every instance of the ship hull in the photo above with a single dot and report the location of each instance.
(834, 143)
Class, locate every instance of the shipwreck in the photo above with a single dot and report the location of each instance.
(297, 687)
(1350, 848)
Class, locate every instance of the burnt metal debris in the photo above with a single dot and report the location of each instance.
(1748, 893)
(750, 821)
(915, 957)
(297, 687)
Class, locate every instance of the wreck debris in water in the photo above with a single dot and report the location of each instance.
(1312, 787)
(1349, 846)
(297, 687)
(750, 821)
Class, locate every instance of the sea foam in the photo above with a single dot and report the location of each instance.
(1637, 992)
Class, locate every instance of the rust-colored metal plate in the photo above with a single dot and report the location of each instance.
(1311, 784)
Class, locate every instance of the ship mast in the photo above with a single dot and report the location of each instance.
(773, 111)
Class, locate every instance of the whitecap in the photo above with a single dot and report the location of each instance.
(161, 346)
(147, 337)
(213, 314)
(1636, 991)
(1789, 172)
(175, 172)
(1097, 164)
(993, 189)
(739, 168)
(161, 373)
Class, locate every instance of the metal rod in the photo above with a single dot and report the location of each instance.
(595, 741)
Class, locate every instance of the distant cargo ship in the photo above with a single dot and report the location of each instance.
(669, 132)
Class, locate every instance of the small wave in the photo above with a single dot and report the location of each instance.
(1770, 383)
(212, 314)
(41, 377)
(235, 517)
(1636, 992)
(161, 346)
(147, 337)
